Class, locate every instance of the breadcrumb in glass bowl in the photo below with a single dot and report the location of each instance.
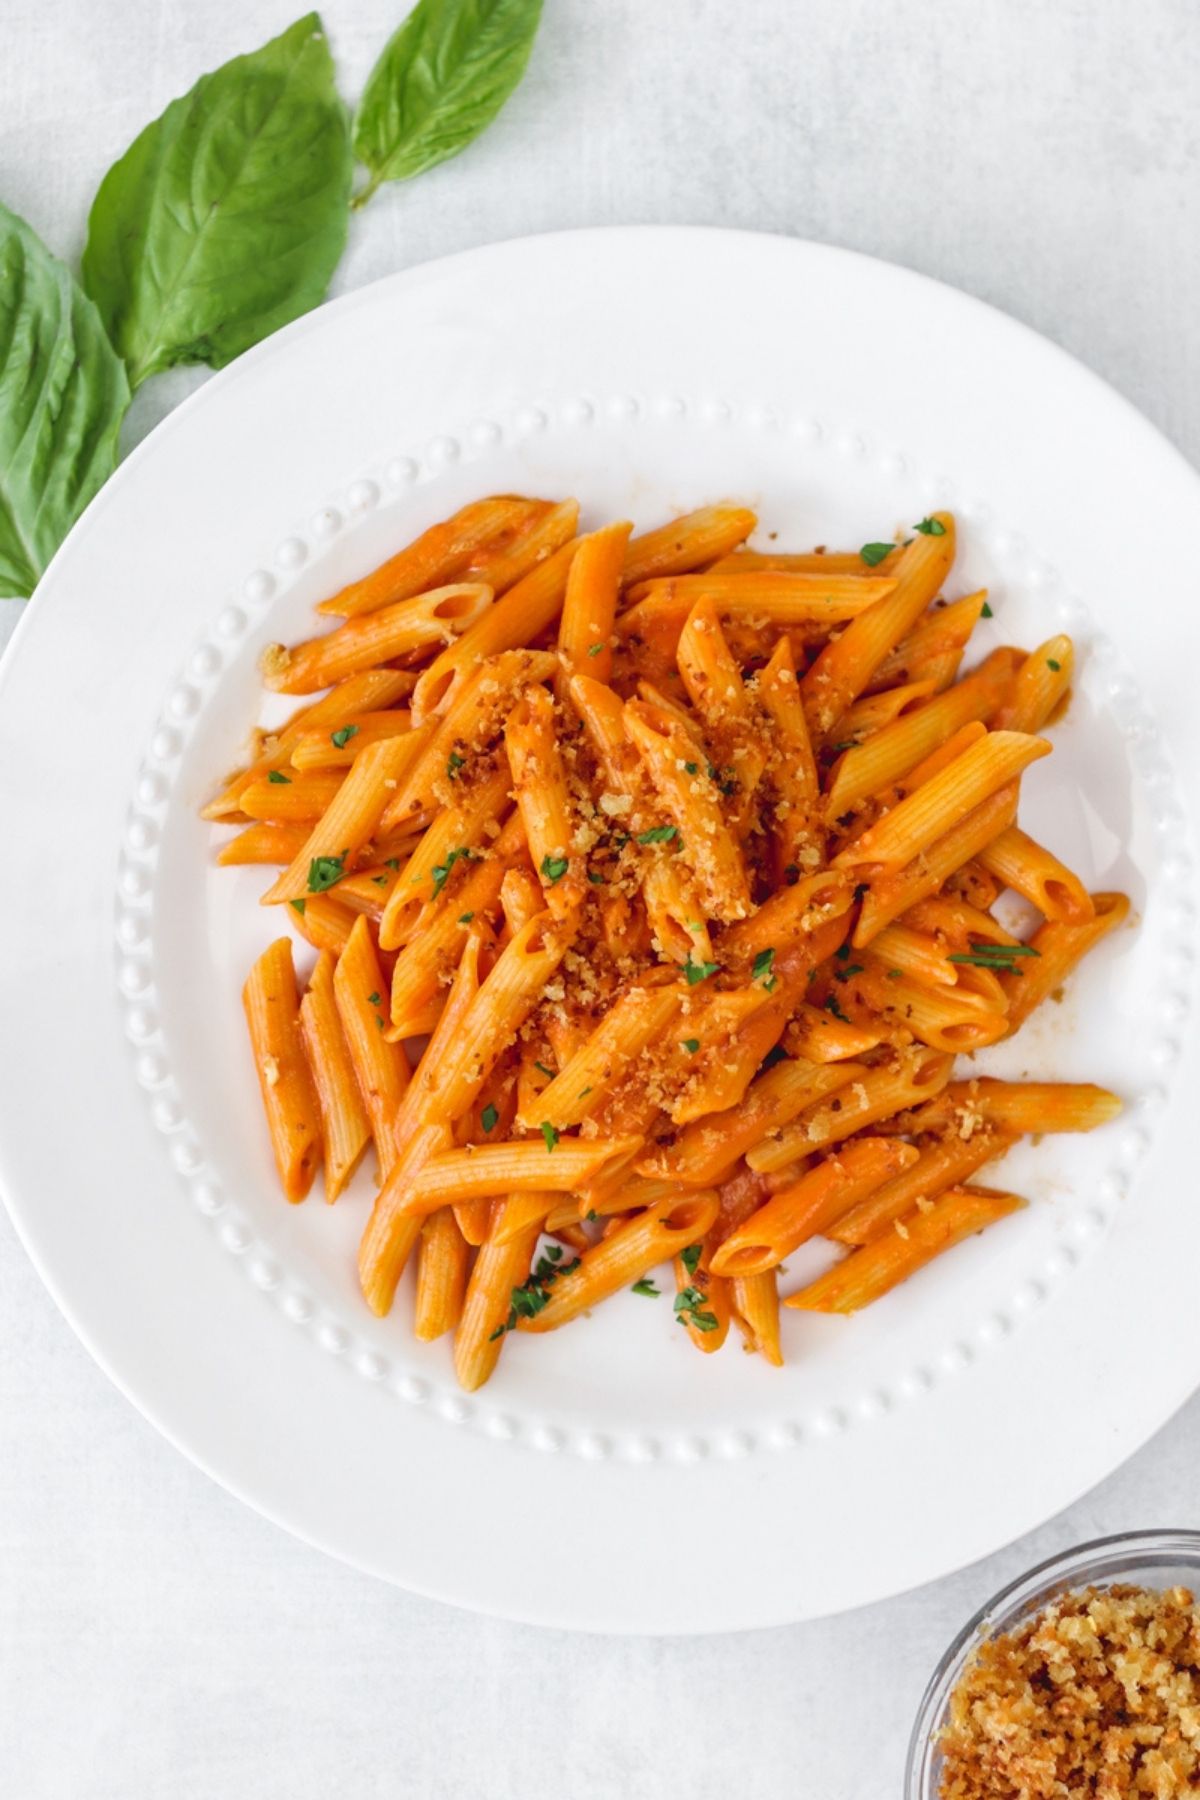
(1081, 1677)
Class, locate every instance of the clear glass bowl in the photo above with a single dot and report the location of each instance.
(1150, 1559)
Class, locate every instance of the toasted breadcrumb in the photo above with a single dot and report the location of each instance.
(1098, 1694)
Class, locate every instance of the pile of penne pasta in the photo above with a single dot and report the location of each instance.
(681, 858)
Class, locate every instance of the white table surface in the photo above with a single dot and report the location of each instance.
(158, 1638)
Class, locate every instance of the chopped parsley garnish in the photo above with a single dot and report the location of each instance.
(831, 1006)
(873, 554)
(299, 906)
(454, 763)
(591, 1215)
(373, 999)
(278, 777)
(689, 1309)
(326, 871)
(465, 918)
(595, 877)
(1002, 957)
(544, 1069)
(691, 1045)
(391, 862)
(846, 744)
(842, 952)
(1051, 664)
(341, 737)
(930, 528)
(690, 1256)
(554, 868)
(441, 871)
(895, 974)
(987, 612)
(691, 768)
(697, 972)
(528, 1300)
(661, 834)
(762, 969)
(488, 1117)
(848, 971)
(549, 1133)
(647, 1287)
(595, 649)
(380, 880)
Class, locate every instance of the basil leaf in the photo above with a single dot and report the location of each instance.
(63, 394)
(225, 219)
(440, 80)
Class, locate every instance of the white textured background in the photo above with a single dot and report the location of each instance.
(155, 1637)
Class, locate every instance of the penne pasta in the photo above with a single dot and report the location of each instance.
(708, 1151)
(443, 1262)
(943, 1164)
(559, 1168)
(892, 893)
(347, 823)
(436, 557)
(590, 603)
(1059, 945)
(506, 561)
(755, 1301)
(379, 637)
(873, 1271)
(901, 1080)
(1038, 876)
(634, 1248)
(687, 543)
(338, 748)
(264, 843)
(345, 1128)
(807, 1208)
(272, 1010)
(1039, 687)
(381, 1068)
(503, 1264)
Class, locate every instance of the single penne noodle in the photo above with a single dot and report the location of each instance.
(871, 1272)
(686, 543)
(816, 1035)
(391, 1235)
(755, 1302)
(692, 802)
(263, 843)
(1039, 687)
(937, 639)
(302, 800)
(904, 1079)
(1018, 862)
(845, 666)
(289, 1100)
(804, 562)
(777, 598)
(892, 893)
(443, 1259)
(378, 637)
(790, 765)
(520, 615)
(942, 1164)
(708, 1302)
(791, 915)
(434, 951)
(896, 749)
(590, 604)
(513, 1167)
(471, 721)
(338, 748)
(349, 821)
(674, 909)
(381, 1067)
(811, 1205)
(634, 1248)
(1022, 1106)
(503, 1263)
(943, 801)
(708, 1151)
(459, 1000)
(345, 1128)
(714, 686)
(1059, 945)
(875, 711)
(439, 555)
(375, 689)
(638, 1017)
(510, 558)
(539, 781)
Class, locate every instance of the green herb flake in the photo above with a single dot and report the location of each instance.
(392, 862)
(689, 1309)
(848, 971)
(831, 1006)
(895, 974)
(277, 778)
(691, 1045)
(647, 1287)
(549, 1133)
(697, 972)
(454, 762)
(661, 834)
(488, 1117)
(554, 868)
(465, 918)
(299, 906)
(380, 880)
(690, 1256)
(529, 1299)
(987, 612)
(372, 999)
(1051, 664)
(544, 1070)
(762, 968)
(930, 528)
(595, 649)
(595, 877)
(341, 737)
(441, 871)
(691, 768)
(874, 554)
(326, 871)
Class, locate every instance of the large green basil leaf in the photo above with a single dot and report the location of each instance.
(225, 219)
(63, 394)
(440, 80)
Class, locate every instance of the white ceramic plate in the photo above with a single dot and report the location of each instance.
(608, 1477)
